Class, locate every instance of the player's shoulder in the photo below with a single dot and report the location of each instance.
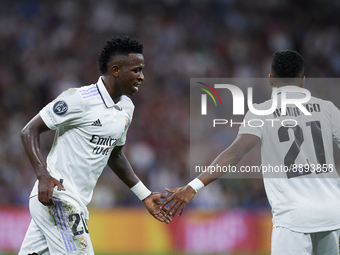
(313, 100)
(83, 92)
(76, 97)
(325, 104)
(68, 102)
(88, 91)
(68, 93)
(320, 100)
(127, 104)
(263, 105)
(70, 96)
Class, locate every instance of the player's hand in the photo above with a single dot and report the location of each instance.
(179, 199)
(154, 205)
(45, 189)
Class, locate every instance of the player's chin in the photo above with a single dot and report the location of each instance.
(134, 89)
(130, 94)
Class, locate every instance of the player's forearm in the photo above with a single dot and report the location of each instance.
(230, 156)
(31, 142)
(226, 158)
(122, 168)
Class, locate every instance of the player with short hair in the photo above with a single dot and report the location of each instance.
(305, 200)
(91, 123)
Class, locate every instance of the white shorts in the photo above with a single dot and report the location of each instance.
(288, 242)
(59, 229)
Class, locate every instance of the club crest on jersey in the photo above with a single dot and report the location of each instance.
(60, 108)
(82, 242)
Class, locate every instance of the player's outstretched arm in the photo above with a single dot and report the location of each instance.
(231, 156)
(122, 168)
(30, 138)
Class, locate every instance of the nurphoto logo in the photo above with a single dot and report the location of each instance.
(238, 99)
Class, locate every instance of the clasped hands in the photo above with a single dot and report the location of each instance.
(178, 200)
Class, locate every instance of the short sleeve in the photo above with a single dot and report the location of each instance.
(252, 124)
(66, 109)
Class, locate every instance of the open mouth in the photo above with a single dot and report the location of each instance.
(136, 87)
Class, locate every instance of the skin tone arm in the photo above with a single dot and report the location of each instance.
(122, 168)
(30, 138)
(231, 156)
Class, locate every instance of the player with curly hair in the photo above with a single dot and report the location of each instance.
(91, 123)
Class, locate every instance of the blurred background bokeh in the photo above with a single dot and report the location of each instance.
(49, 46)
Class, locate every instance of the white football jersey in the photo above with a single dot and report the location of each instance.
(301, 181)
(88, 126)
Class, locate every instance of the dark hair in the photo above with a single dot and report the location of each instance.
(119, 45)
(287, 64)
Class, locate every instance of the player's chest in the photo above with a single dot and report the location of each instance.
(105, 126)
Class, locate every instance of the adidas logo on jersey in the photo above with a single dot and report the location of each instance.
(97, 123)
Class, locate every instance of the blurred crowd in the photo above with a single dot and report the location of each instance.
(49, 46)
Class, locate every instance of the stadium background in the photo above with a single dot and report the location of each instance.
(49, 46)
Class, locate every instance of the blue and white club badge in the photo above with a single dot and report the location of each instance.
(60, 108)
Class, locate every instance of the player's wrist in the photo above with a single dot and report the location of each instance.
(43, 176)
(196, 184)
(141, 191)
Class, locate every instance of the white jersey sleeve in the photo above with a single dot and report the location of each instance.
(252, 124)
(66, 109)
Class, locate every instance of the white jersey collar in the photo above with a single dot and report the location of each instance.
(279, 90)
(104, 94)
(107, 98)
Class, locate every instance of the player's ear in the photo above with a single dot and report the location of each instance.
(303, 81)
(115, 70)
(271, 81)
